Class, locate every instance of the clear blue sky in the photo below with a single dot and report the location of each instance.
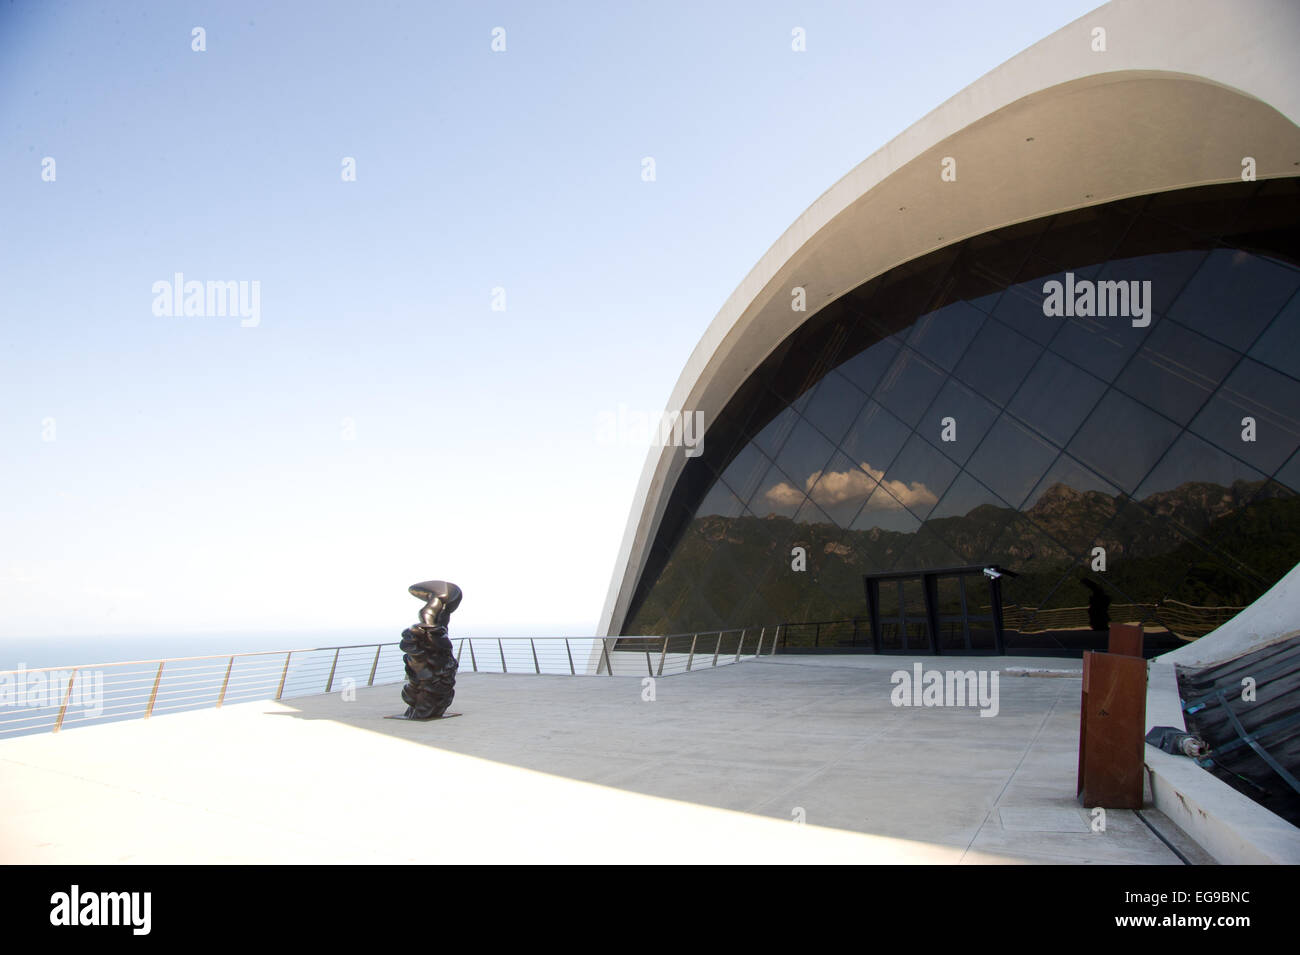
(199, 478)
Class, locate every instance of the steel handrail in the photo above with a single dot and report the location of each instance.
(210, 680)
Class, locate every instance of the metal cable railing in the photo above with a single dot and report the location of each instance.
(48, 699)
(51, 698)
(683, 652)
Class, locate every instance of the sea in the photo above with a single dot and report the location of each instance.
(33, 652)
(52, 683)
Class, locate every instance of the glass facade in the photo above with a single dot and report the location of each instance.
(942, 415)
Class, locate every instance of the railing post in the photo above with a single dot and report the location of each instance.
(221, 697)
(776, 637)
(67, 695)
(283, 673)
(375, 666)
(572, 671)
(759, 651)
(740, 646)
(153, 695)
(663, 653)
(502, 650)
(690, 659)
(460, 648)
(536, 666)
(717, 649)
(329, 684)
(472, 660)
(648, 667)
(609, 664)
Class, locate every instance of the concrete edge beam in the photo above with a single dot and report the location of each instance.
(1231, 827)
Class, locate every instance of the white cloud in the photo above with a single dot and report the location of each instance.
(838, 487)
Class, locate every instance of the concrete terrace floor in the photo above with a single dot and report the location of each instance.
(581, 769)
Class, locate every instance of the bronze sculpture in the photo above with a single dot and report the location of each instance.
(430, 663)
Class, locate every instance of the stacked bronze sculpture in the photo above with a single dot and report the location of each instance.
(430, 663)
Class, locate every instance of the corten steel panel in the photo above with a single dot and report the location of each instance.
(1112, 720)
(1125, 640)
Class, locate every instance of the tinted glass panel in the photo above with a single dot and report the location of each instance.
(1176, 370)
(942, 336)
(1122, 440)
(909, 386)
(1254, 416)
(997, 361)
(1056, 397)
(1233, 295)
(971, 417)
(1011, 460)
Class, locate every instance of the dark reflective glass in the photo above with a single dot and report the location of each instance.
(810, 513)
(1024, 548)
(1209, 210)
(1168, 274)
(842, 488)
(875, 438)
(1194, 462)
(1011, 460)
(909, 386)
(1150, 562)
(1022, 307)
(1215, 499)
(919, 476)
(928, 549)
(942, 336)
(892, 630)
(720, 502)
(754, 613)
(1102, 345)
(1056, 397)
(1270, 399)
(997, 361)
(969, 519)
(1086, 235)
(1122, 440)
(1279, 346)
(971, 417)
(1072, 505)
(777, 495)
(805, 454)
(746, 471)
(1289, 474)
(884, 512)
(866, 368)
(773, 436)
(722, 586)
(1176, 370)
(1233, 295)
(996, 258)
(834, 406)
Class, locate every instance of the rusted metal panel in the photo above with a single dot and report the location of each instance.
(1125, 639)
(1112, 721)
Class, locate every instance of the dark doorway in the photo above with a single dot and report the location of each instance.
(947, 610)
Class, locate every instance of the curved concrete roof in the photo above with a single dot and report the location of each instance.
(1184, 90)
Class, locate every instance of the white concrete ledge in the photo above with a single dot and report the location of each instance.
(1231, 827)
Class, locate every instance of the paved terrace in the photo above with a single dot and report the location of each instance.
(557, 768)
